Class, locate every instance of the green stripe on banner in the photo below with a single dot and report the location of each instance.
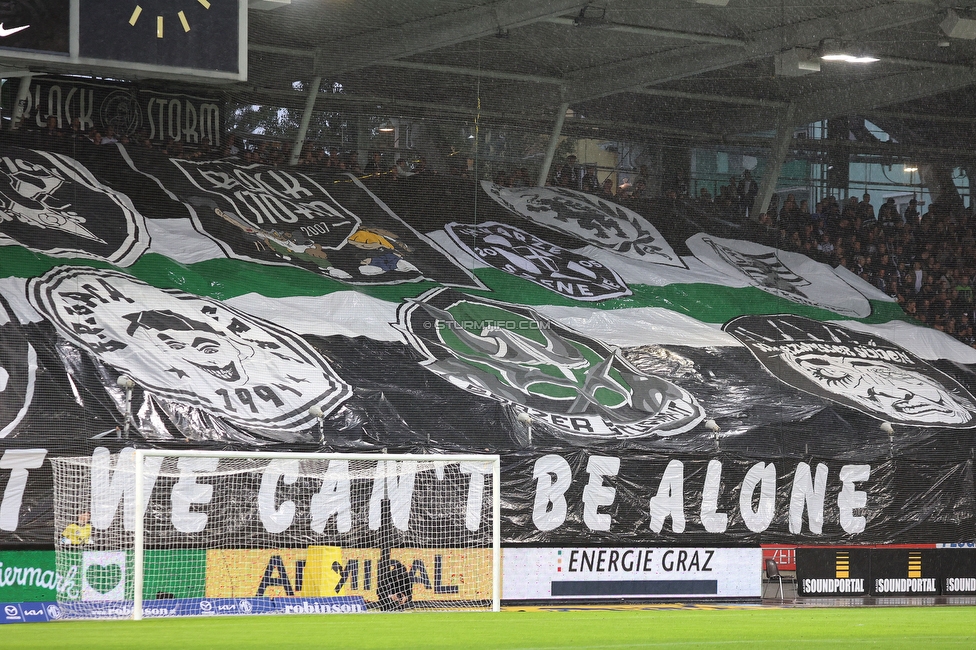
(710, 303)
(225, 278)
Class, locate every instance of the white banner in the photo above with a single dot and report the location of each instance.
(638, 573)
(792, 276)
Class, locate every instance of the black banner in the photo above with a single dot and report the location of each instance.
(127, 108)
(886, 572)
(841, 572)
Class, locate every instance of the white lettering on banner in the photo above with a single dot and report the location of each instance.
(553, 477)
(960, 584)
(63, 111)
(596, 494)
(809, 492)
(850, 499)
(180, 119)
(712, 520)
(187, 491)
(333, 498)
(37, 577)
(278, 519)
(476, 492)
(394, 480)
(763, 476)
(905, 585)
(322, 608)
(670, 499)
(109, 487)
(270, 197)
(833, 585)
(18, 461)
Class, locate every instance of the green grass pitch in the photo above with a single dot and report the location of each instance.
(889, 627)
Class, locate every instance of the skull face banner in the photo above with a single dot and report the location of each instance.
(51, 204)
(572, 383)
(189, 349)
(858, 370)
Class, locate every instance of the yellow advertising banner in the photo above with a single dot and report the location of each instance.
(436, 574)
(257, 572)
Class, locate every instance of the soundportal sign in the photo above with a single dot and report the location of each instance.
(862, 371)
(189, 349)
(572, 383)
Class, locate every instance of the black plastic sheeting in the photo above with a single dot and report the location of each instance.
(804, 450)
(917, 484)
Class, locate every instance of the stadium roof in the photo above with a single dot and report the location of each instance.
(695, 70)
(675, 66)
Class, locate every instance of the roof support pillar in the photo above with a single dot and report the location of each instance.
(777, 155)
(23, 91)
(553, 143)
(313, 93)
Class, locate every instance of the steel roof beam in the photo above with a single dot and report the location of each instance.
(364, 50)
(678, 63)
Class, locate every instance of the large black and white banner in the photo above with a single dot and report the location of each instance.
(636, 397)
(52, 204)
(333, 226)
(125, 108)
(208, 502)
(792, 276)
(858, 370)
(192, 350)
(600, 222)
(531, 258)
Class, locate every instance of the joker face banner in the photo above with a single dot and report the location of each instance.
(594, 220)
(526, 256)
(575, 384)
(52, 204)
(189, 349)
(331, 226)
(858, 370)
(792, 276)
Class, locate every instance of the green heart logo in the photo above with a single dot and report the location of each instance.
(103, 578)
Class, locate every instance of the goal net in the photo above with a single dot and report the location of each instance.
(203, 533)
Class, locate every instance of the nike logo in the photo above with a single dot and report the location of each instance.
(7, 32)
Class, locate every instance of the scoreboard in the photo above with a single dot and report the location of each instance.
(201, 39)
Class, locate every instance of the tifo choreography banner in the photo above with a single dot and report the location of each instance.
(645, 380)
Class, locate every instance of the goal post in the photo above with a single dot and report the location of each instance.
(196, 532)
